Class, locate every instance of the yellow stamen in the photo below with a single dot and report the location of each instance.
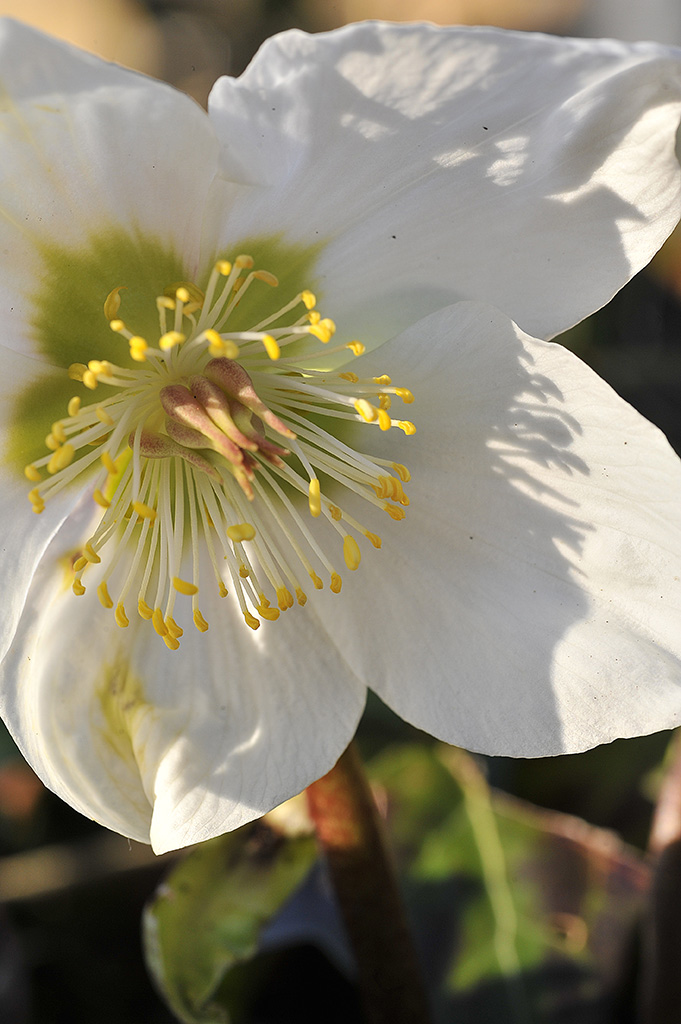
(120, 616)
(199, 621)
(241, 532)
(73, 408)
(171, 641)
(351, 552)
(61, 458)
(264, 275)
(308, 299)
(315, 498)
(173, 628)
(405, 394)
(356, 347)
(158, 622)
(144, 610)
(272, 614)
(271, 346)
(78, 588)
(406, 426)
(183, 587)
(32, 473)
(103, 595)
(99, 497)
(301, 597)
(336, 583)
(145, 511)
(251, 620)
(170, 339)
(318, 584)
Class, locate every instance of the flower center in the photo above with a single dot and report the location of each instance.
(200, 445)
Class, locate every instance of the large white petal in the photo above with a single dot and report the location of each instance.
(173, 747)
(92, 153)
(530, 602)
(435, 164)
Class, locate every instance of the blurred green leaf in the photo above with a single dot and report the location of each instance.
(202, 929)
(523, 915)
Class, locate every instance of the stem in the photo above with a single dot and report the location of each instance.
(350, 833)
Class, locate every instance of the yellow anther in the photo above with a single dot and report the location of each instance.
(264, 275)
(78, 588)
(301, 597)
(170, 339)
(318, 584)
(241, 532)
(199, 621)
(117, 326)
(90, 380)
(223, 267)
(120, 616)
(315, 498)
(314, 317)
(31, 472)
(405, 394)
(384, 420)
(218, 346)
(222, 589)
(51, 442)
(91, 554)
(271, 346)
(164, 302)
(320, 331)
(251, 620)
(100, 499)
(328, 325)
(183, 587)
(243, 572)
(173, 628)
(336, 583)
(308, 299)
(384, 402)
(374, 538)
(356, 347)
(138, 348)
(104, 596)
(384, 380)
(73, 408)
(79, 564)
(395, 513)
(108, 463)
(352, 377)
(182, 294)
(351, 552)
(112, 302)
(284, 598)
(171, 642)
(366, 410)
(145, 511)
(402, 472)
(35, 498)
(61, 458)
(244, 262)
(406, 426)
(336, 513)
(272, 614)
(58, 432)
(144, 610)
(103, 417)
(76, 371)
(99, 366)
(158, 622)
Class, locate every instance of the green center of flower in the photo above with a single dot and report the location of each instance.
(200, 446)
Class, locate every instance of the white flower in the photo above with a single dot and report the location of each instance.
(527, 602)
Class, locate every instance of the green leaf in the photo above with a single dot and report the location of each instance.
(523, 915)
(201, 931)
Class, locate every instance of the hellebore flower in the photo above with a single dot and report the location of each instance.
(205, 447)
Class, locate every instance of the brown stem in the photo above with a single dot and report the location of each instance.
(350, 834)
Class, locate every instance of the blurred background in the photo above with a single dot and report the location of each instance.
(72, 894)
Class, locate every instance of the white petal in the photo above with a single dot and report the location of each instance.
(436, 164)
(91, 151)
(173, 747)
(530, 602)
